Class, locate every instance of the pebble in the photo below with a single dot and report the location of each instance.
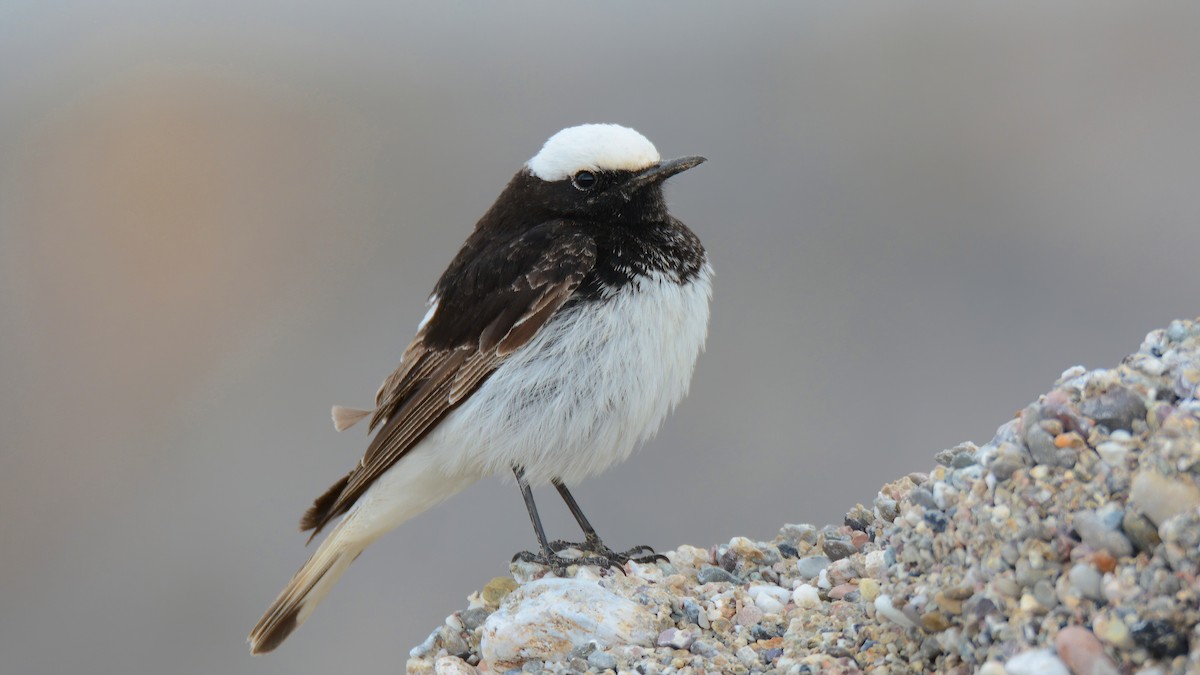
(704, 648)
(885, 608)
(1097, 532)
(1113, 453)
(747, 656)
(1160, 497)
(748, 615)
(840, 571)
(602, 661)
(1083, 653)
(675, 638)
(1160, 638)
(922, 497)
(1141, 532)
(1036, 662)
(934, 622)
(841, 591)
(876, 564)
(690, 556)
(811, 566)
(1041, 445)
(1044, 593)
(710, 575)
(1112, 631)
(886, 508)
(1116, 408)
(496, 589)
(806, 596)
(769, 598)
(799, 534)
(452, 665)
(869, 588)
(823, 581)
(837, 549)
(1086, 580)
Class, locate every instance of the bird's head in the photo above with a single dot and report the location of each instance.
(597, 172)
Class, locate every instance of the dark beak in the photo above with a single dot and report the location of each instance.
(657, 174)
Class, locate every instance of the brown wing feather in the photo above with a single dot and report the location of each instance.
(432, 382)
(415, 367)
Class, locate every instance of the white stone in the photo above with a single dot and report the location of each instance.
(1036, 662)
(775, 594)
(1072, 373)
(806, 596)
(547, 618)
(885, 608)
(768, 604)
(876, 564)
(944, 495)
(689, 556)
(1112, 453)
(748, 656)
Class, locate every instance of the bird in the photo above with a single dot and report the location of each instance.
(560, 336)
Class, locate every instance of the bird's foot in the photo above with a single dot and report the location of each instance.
(561, 564)
(639, 554)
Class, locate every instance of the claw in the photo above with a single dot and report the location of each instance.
(602, 555)
(560, 564)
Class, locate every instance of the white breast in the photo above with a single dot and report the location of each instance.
(586, 390)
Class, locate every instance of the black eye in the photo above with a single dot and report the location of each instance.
(584, 180)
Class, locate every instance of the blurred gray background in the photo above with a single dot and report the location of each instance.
(217, 219)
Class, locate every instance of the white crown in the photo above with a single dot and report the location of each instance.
(594, 147)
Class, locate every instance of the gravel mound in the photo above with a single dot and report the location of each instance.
(1069, 543)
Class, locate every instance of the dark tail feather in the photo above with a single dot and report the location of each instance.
(321, 512)
(307, 588)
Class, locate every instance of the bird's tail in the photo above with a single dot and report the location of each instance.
(306, 589)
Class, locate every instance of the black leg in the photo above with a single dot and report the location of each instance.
(532, 508)
(588, 531)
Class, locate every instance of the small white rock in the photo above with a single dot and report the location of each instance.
(885, 608)
(748, 656)
(1072, 373)
(944, 495)
(806, 596)
(1036, 662)
(769, 597)
(768, 604)
(876, 563)
(823, 580)
(649, 571)
(1112, 453)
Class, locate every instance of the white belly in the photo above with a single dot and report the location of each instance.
(632, 364)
